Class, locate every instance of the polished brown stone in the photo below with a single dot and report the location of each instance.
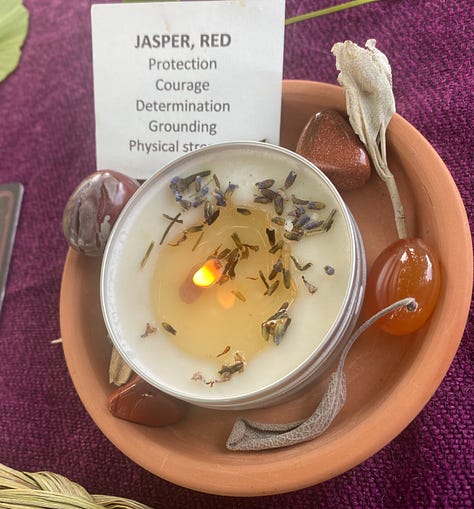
(329, 142)
(139, 402)
(93, 208)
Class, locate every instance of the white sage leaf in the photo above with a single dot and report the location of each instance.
(366, 76)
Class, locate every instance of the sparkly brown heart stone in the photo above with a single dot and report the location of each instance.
(329, 142)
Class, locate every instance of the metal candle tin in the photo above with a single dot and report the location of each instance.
(125, 290)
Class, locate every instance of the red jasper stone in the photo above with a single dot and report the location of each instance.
(139, 402)
(329, 142)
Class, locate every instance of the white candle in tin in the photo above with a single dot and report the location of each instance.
(222, 325)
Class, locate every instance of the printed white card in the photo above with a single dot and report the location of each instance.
(171, 77)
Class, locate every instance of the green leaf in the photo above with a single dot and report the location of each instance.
(13, 30)
(138, 1)
(327, 10)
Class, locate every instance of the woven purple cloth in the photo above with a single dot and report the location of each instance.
(47, 143)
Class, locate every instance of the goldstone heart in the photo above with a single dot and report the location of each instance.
(329, 142)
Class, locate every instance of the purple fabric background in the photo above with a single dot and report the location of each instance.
(47, 143)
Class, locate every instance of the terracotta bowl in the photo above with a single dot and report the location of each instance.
(389, 379)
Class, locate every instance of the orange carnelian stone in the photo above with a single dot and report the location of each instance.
(406, 268)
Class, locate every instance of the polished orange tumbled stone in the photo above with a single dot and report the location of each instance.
(406, 268)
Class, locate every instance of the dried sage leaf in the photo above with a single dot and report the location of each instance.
(366, 76)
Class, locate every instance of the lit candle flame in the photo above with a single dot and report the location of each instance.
(209, 274)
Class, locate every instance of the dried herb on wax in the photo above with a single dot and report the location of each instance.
(147, 254)
(149, 329)
(169, 328)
